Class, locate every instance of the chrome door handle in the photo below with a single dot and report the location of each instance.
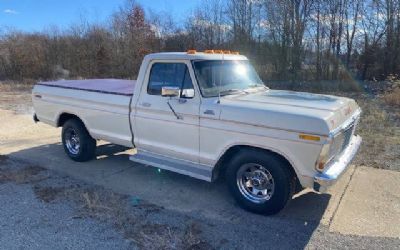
(146, 104)
(181, 101)
(209, 112)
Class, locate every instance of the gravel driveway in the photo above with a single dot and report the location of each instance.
(42, 209)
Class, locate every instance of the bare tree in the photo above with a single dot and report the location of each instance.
(241, 15)
(352, 15)
(287, 39)
(300, 11)
(373, 30)
(207, 26)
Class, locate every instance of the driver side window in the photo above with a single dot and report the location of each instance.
(170, 75)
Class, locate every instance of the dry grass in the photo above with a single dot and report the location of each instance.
(192, 238)
(47, 194)
(15, 96)
(132, 220)
(10, 86)
(392, 97)
(161, 236)
(92, 201)
(29, 174)
(154, 236)
(380, 128)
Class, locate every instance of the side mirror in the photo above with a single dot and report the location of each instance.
(188, 93)
(170, 91)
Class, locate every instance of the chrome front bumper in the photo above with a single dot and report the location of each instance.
(336, 168)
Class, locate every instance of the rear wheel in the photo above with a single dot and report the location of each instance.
(260, 182)
(77, 142)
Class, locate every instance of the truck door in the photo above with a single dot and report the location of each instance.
(158, 129)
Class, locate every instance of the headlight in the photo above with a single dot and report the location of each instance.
(337, 144)
(329, 151)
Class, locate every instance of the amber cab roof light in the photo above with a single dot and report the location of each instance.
(219, 51)
(214, 51)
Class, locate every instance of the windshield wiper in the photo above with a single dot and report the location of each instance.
(231, 91)
(257, 85)
(255, 88)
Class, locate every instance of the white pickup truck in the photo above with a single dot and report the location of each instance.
(207, 114)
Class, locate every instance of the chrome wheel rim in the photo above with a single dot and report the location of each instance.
(255, 182)
(72, 141)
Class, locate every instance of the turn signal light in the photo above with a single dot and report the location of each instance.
(309, 137)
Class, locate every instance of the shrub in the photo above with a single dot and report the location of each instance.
(392, 97)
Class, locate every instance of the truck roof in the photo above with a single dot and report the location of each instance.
(194, 56)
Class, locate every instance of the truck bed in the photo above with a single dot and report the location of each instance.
(106, 86)
(101, 104)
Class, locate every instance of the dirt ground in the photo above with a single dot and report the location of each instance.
(112, 203)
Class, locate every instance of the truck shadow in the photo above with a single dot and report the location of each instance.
(182, 194)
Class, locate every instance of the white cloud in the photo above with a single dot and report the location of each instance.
(10, 11)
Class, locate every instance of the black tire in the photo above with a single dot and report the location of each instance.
(282, 178)
(75, 133)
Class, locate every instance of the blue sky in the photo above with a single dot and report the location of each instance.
(35, 15)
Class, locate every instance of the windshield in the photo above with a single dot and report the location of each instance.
(225, 77)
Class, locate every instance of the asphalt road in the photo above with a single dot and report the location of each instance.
(305, 223)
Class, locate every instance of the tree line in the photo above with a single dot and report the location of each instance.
(296, 40)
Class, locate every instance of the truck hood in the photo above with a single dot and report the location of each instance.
(289, 110)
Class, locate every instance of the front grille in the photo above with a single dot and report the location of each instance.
(347, 134)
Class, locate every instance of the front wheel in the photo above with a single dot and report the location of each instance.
(260, 182)
(77, 142)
